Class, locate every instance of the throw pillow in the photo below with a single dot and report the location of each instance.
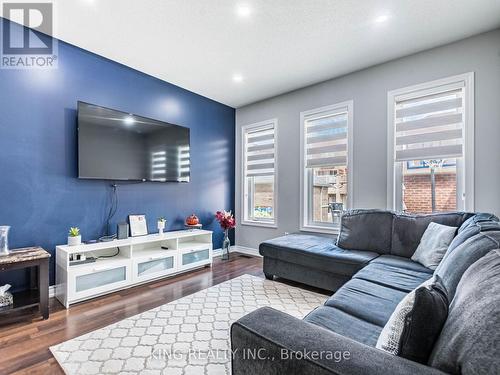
(416, 323)
(433, 245)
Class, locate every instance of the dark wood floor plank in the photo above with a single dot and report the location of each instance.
(24, 346)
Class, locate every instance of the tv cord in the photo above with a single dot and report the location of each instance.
(112, 211)
(109, 256)
(113, 208)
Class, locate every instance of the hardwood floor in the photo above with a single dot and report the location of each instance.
(24, 346)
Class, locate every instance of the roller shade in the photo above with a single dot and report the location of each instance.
(326, 140)
(430, 126)
(260, 151)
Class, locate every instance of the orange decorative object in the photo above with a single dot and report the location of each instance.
(192, 220)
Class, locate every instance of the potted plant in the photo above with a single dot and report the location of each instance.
(161, 224)
(227, 221)
(74, 237)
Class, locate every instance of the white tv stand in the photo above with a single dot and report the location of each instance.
(140, 259)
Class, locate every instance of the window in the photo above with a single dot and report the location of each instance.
(259, 174)
(326, 157)
(431, 129)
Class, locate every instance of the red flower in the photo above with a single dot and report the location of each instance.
(226, 219)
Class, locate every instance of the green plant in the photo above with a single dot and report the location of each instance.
(162, 219)
(74, 232)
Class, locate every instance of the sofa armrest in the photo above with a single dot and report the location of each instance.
(268, 341)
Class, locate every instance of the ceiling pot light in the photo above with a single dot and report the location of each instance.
(238, 78)
(382, 18)
(243, 10)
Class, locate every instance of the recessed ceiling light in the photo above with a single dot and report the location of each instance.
(382, 18)
(129, 120)
(243, 10)
(238, 78)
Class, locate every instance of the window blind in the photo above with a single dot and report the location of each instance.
(260, 151)
(326, 140)
(430, 126)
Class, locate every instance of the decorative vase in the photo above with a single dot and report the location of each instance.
(74, 240)
(4, 240)
(226, 244)
(161, 227)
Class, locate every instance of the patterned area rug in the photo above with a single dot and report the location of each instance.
(187, 336)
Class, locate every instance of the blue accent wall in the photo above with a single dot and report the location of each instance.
(40, 194)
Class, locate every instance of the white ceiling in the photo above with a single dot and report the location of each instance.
(280, 46)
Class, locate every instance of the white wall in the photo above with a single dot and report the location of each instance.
(368, 88)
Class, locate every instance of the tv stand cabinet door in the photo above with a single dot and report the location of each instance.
(189, 259)
(148, 268)
(89, 282)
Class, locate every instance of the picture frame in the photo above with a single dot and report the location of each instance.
(138, 225)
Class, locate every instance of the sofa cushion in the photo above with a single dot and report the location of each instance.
(469, 340)
(433, 245)
(407, 230)
(456, 262)
(416, 322)
(304, 274)
(316, 252)
(344, 324)
(477, 218)
(365, 300)
(398, 278)
(471, 230)
(401, 262)
(366, 230)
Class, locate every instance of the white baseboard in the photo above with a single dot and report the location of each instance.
(238, 249)
(245, 250)
(217, 252)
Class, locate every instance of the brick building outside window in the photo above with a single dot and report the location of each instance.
(418, 187)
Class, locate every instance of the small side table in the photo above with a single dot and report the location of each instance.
(37, 259)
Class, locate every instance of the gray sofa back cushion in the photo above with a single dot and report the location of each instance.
(469, 340)
(478, 218)
(457, 261)
(471, 229)
(366, 230)
(407, 230)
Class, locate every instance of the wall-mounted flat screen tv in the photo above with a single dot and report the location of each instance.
(115, 145)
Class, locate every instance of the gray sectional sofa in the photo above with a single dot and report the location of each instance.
(370, 270)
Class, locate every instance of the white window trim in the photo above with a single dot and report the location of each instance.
(304, 188)
(244, 130)
(468, 165)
